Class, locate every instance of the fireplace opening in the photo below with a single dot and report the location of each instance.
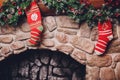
(41, 65)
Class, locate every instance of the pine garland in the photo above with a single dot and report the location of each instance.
(12, 10)
(82, 10)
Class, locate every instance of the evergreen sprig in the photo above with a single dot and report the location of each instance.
(12, 10)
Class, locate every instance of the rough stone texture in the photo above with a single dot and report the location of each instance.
(67, 31)
(107, 74)
(66, 22)
(115, 49)
(99, 61)
(62, 38)
(117, 58)
(65, 48)
(43, 73)
(83, 44)
(23, 67)
(5, 51)
(22, 36)
(85, 30)
(48, 43)
(17, 45)
(62, 71)
(74, 77)
(19, 50)
(33, 72)
(25, 27)
(6, 39)
(44, 58)
(62, 34)
(115, 43)
(117, 71)
(92, 73)
(7, 30)
(38, 63)
(48, 35)
(115, 35)
(118, 30)
(79, 55)
(48, 21)
(94, 34)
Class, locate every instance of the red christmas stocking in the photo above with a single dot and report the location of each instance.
(34, 19)
(104, 37)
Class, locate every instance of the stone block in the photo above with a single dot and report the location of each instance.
(94, 34)
(115, 43)
(115, 49)
(50, 70)
(17, 45)
(20, 50)
(22, 36)
(48, 43)
(55, 60)
(45, 58)
(66, 22)
(92, 73)
(48, 35)
(74, 77)
(67, 49)
(117, 71)
(62, 78)
(5, 51)
(62, 71)
(7, 30)
(85, 30)
(2, 58)
(82, 44)
(34, 72)
(38, 63)
(117, 58)
(25, 27)
(107, 74)
(118, 30)
(24, 69)
(62, 38)
(6, 39)
(99, 61)
(50, 23)
(79, 56)
(67, 31)
(115, 34)
(43, 73)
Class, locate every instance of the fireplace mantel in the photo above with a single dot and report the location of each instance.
(62, 34)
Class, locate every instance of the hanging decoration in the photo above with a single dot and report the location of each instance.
(34, 20)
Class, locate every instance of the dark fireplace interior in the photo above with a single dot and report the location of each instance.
(41, 65)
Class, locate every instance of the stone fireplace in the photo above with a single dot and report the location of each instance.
(41, 65)
(64, 36)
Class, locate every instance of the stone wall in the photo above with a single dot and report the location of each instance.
(63, 34)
